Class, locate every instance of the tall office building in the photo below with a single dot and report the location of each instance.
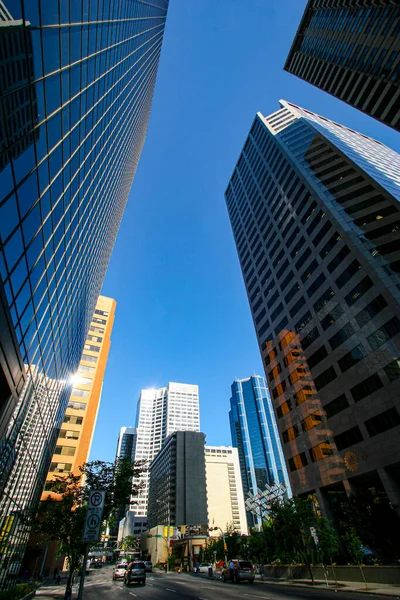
(352, 51)
(314, 208)
(75, 436)
(225, 499)
(83, 75)
(159, 413)
(177, 490)
(255, 435)
(126, 447)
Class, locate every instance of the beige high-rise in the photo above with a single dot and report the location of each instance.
(224, 489)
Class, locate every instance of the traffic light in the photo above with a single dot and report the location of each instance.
(225, 547)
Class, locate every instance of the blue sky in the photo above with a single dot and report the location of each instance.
(182, 311)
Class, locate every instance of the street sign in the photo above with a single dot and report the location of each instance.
(94, 515)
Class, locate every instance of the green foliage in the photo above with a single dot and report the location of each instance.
(128, 543)
(62, 516)
(329, 543)
(353, 545)
(17, 592)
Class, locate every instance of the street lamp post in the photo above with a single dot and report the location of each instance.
(168, 528)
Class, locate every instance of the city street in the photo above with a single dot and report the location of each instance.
(100, 586)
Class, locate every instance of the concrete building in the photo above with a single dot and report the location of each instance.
(75, 436)
(255, 435)
(352, 51)
(314, 208)
(159, 413)
(177, 490)
(225, 500)
(79, 113)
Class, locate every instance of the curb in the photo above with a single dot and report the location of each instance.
(331, 588)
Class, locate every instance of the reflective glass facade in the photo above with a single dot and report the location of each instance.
(314, 209)
(77, 80)
(255, 435)
(352, 52)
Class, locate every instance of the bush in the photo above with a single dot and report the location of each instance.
(17, 592)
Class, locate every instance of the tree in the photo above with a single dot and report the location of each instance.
(61, 517)
(129, 543)
(353, 546)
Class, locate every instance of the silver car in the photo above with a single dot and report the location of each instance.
(136, 571)
(244, 571)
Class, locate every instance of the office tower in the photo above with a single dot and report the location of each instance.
(314, 208)
(159, 413)
(225, 498)
(77, 429)
(352, 51)
(126, 447)
(66, 171)
(177, 490)
(126, 443)
(255, 435)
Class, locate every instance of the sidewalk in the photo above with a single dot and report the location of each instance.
(50, 592)
(379, 589)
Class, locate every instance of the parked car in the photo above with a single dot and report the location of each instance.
(204, 567)
(149, 566)
(136, 571)
(119, 571)
(244, 571)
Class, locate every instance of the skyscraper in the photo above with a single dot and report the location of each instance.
(352, 51)
(255, 435)
(177, 490)
(76, 433)
(225, 499)
(314, 208)
(83, 75)
(159, 413)
(126, 445)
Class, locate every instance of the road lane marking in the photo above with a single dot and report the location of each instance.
(200, 598)
(207, 587)
(254, 596)
(152, 584)
(169, 590)
(132, 594)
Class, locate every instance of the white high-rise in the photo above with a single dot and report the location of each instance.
(159, 413)
(225, 498)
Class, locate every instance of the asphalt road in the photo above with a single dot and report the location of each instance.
(99, 586)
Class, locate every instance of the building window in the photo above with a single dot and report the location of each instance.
(311, 421)
(69, 435)
(92, 348)
(73, 420)
(303, 321)
(384, 333)
(76, 405)
(366, 387)
(89, 358)
(341, 336)
(99, 321)
(321, 451)
(383, 422)
(303, 394)
(325, 378)
(317, 356)
(290, 434)
(372, 309)
(316, 285)
(309, 338)
(359, 290)
(348, 438)
(351, 358)
(60, 467)
(65, 450)
(339, 258)
(79, 392)
(347, 274)
(103, 313)
(324, 299)
(284, 409)
(332, 317)
(336, 406)
(392, 370)
(297, 462)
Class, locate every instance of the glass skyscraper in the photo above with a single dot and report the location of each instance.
(77, 79)
(314, 208)
(352, 51)
(255, 435)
